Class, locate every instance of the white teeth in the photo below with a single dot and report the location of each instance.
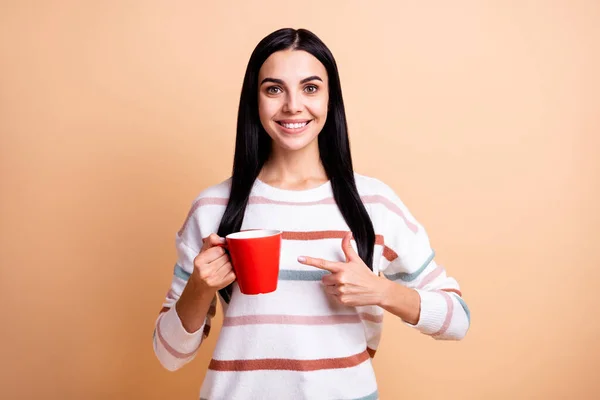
(295, 126)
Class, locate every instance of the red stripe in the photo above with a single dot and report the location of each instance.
(458, 292)
(449, 314)
(289, 364)
(202, 202)
(171, 295)
(371, 317)
(368, 199)
(431, 276)
(313, 235)
(212, 310)
(167, 346)
(264, 200)
(388, 253)
(378, 199)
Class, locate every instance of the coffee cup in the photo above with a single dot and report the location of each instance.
(255, 259)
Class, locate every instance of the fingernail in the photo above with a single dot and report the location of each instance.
(301, 259)
(222, 240)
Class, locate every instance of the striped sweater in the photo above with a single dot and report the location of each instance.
(297, 343)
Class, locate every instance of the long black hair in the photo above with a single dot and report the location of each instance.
(253, 144)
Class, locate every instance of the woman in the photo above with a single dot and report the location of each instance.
(313, 338)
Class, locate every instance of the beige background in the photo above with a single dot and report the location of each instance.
(484, 116)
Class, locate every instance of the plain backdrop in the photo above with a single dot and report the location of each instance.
(482, 115)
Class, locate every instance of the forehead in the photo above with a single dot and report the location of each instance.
(292, 65)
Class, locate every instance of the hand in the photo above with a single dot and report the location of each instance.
(351, 283)
(212, 267)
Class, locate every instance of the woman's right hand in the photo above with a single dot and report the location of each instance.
(212, 267)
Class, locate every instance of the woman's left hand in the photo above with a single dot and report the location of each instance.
(352, 283)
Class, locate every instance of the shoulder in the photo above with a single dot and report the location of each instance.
(220, 190)
(204, 213)
(384, 202)
(211, 196)
(370, 186)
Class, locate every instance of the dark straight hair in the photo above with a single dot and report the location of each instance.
(253, 144)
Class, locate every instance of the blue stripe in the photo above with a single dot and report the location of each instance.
(180, 273)
(406, 277)
(284, 275)
(464, 306)
(291, 275)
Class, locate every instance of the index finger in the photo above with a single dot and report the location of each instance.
(320, 263)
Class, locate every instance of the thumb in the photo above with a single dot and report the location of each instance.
(347, 248)
(213, 240)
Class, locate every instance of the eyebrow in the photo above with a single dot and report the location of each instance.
(280, 82)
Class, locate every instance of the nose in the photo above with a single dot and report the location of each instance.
(293, 103)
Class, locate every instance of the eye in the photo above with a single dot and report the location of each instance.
(274, 90)
(311, 89)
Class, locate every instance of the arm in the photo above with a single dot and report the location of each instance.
(190, 305)
(401, 301)
(432, 303)
(194, 305)
(176, 344)
(418, 289)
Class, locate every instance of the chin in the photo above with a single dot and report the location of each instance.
(293, 145)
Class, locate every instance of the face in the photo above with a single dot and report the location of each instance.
(292, 98)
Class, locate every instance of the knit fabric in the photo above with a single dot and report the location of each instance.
(298, 342)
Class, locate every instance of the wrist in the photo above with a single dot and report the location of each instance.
(401, 301)
(199, 293)
(386, 289)
(193, 305)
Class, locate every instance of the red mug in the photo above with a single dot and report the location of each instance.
(255, 259)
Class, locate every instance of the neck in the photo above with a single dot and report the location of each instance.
(298, 169)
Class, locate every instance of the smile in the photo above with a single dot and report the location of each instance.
(295, 125)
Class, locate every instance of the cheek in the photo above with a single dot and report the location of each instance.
(318, 107)
(267, 108)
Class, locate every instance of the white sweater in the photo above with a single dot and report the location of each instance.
(297, 343)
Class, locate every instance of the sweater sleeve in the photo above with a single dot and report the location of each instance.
(408, 259)
(173, 345)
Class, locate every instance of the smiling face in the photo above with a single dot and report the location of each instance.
(292, 98)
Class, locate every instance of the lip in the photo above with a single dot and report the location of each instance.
(293, 121)
(292, 131)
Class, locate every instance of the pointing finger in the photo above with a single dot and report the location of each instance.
(320, 263)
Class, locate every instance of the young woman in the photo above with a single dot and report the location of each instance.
(350, 247)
